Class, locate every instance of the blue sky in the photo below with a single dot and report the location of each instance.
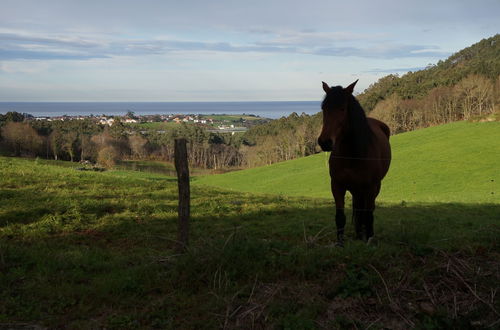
(222, 50)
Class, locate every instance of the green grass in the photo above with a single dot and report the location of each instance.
(88, 250)
(231, 118)
(147, 166)
(217, 118)
(156, 167)
(451, 163)
(156, 125)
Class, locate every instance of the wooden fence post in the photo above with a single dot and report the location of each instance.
(181, 166)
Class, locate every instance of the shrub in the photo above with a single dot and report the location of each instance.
(107, 157)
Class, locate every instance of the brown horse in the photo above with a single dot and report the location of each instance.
(359, 159)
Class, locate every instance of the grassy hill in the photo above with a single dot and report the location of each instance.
(457, 162)
(89, 250)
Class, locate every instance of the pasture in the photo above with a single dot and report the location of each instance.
(90, 250)
(457, 162)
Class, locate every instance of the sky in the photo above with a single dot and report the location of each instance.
(224, 50)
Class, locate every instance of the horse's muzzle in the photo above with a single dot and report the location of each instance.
(326, 145)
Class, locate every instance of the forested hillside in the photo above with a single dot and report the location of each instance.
(282, 139)
(464, 86)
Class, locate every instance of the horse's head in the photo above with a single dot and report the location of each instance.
(335, 118)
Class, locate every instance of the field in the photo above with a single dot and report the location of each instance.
(231, 118)
(218, 120)
(95, 249)
(156, 125)
(156, 167)
(457, 162)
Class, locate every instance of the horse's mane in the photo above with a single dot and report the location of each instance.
(358, 132)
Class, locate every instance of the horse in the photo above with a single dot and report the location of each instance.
(359, 160)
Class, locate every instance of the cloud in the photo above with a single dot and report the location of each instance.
(70, 41)
(395, 70)
(7, 54)
(310, 37)
(387, 51)
(24, 45)
(23, 67)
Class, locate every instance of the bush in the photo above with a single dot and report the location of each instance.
(107, 157)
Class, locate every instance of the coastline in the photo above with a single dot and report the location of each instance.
(265, 109)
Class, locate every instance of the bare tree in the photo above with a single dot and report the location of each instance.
(22, 138)
(137, 145)
(475, 93)
(386, 111)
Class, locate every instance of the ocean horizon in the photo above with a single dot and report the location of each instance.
(269, 109)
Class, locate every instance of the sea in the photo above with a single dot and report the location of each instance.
(273, 110)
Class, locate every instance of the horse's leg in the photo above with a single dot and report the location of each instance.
(370, 207)
(339, 196)
(369, 226)
(358, 213)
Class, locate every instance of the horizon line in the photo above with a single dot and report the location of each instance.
(245, 101)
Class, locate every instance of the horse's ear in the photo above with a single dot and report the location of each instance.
(326, 88)
(350, 88)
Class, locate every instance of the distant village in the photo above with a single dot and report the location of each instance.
(212, 122)
(132, 119)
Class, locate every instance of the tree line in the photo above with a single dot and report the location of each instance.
(464, 86)
(475, 96)
(86, 140)
(482, 58)
(282, 139)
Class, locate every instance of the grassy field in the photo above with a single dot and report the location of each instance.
(86, 250)
(451, 163)
(156, 125)
(231, 118)
(218, 120)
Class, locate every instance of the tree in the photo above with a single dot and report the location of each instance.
(69, 141)
(22, 138)
(12, 116)
(130, 114)
(137, 145)
(386, 111)
(85, 129)
(476, 95)
(56, 142)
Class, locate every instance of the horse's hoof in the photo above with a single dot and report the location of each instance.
(371, 241)
(339, 244)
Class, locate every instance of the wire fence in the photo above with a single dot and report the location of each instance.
(426, 159)
(402, 206)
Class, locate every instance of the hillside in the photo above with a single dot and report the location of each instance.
(87, 250)
(451, 163)
(482, 58)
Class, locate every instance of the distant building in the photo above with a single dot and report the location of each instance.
(106, 121)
